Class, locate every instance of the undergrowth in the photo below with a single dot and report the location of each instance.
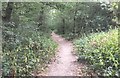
(25, 50)
(101, 51)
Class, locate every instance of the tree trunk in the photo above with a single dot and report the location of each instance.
(118, 14)
(74, 25)
(41, 19)
(8, 12)
(63, 27)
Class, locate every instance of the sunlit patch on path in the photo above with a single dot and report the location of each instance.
(64, 63)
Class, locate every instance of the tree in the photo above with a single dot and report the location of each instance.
(8, 12)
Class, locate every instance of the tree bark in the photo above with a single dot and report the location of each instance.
(41, 19)
(74, 25)
(118, 14)
(63, 27)
(8, 12)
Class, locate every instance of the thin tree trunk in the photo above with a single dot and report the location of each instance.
(63, 29)
(74, 27)
(41, 19)
(118, 14)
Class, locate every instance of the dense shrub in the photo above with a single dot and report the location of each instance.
(24, 50)
(101, 51)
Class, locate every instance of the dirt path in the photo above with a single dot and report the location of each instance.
(65, 63)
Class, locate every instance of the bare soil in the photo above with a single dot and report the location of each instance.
(65, 62)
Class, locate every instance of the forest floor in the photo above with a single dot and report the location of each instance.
(65, 62)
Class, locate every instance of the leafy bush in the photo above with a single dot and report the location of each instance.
(101, 51)
(24, 50)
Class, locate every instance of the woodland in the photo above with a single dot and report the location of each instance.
(92, 27)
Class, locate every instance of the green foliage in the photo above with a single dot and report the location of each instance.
(25, 49)
(84, 18)
(27, 45)
(101, 51)
(26, 35)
